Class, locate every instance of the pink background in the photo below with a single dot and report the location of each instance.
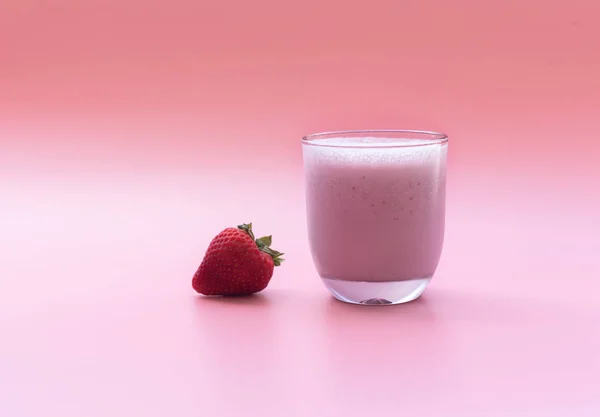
(133, 131)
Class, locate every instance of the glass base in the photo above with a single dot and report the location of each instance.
(376, 293)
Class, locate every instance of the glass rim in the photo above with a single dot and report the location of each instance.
(432, 138)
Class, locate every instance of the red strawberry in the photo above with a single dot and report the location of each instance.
(236, 264)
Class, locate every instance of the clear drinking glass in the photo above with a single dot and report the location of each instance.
(376, 203)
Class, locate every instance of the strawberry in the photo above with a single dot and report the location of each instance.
(236, 264)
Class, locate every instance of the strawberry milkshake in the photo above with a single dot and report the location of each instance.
(376, 211)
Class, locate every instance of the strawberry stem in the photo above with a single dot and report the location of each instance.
(264, 244)
(247, 228)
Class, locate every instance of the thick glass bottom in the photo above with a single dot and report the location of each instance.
(376, 293)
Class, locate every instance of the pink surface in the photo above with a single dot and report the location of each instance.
(132, 132)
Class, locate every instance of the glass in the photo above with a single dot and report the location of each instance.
(376, 203)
